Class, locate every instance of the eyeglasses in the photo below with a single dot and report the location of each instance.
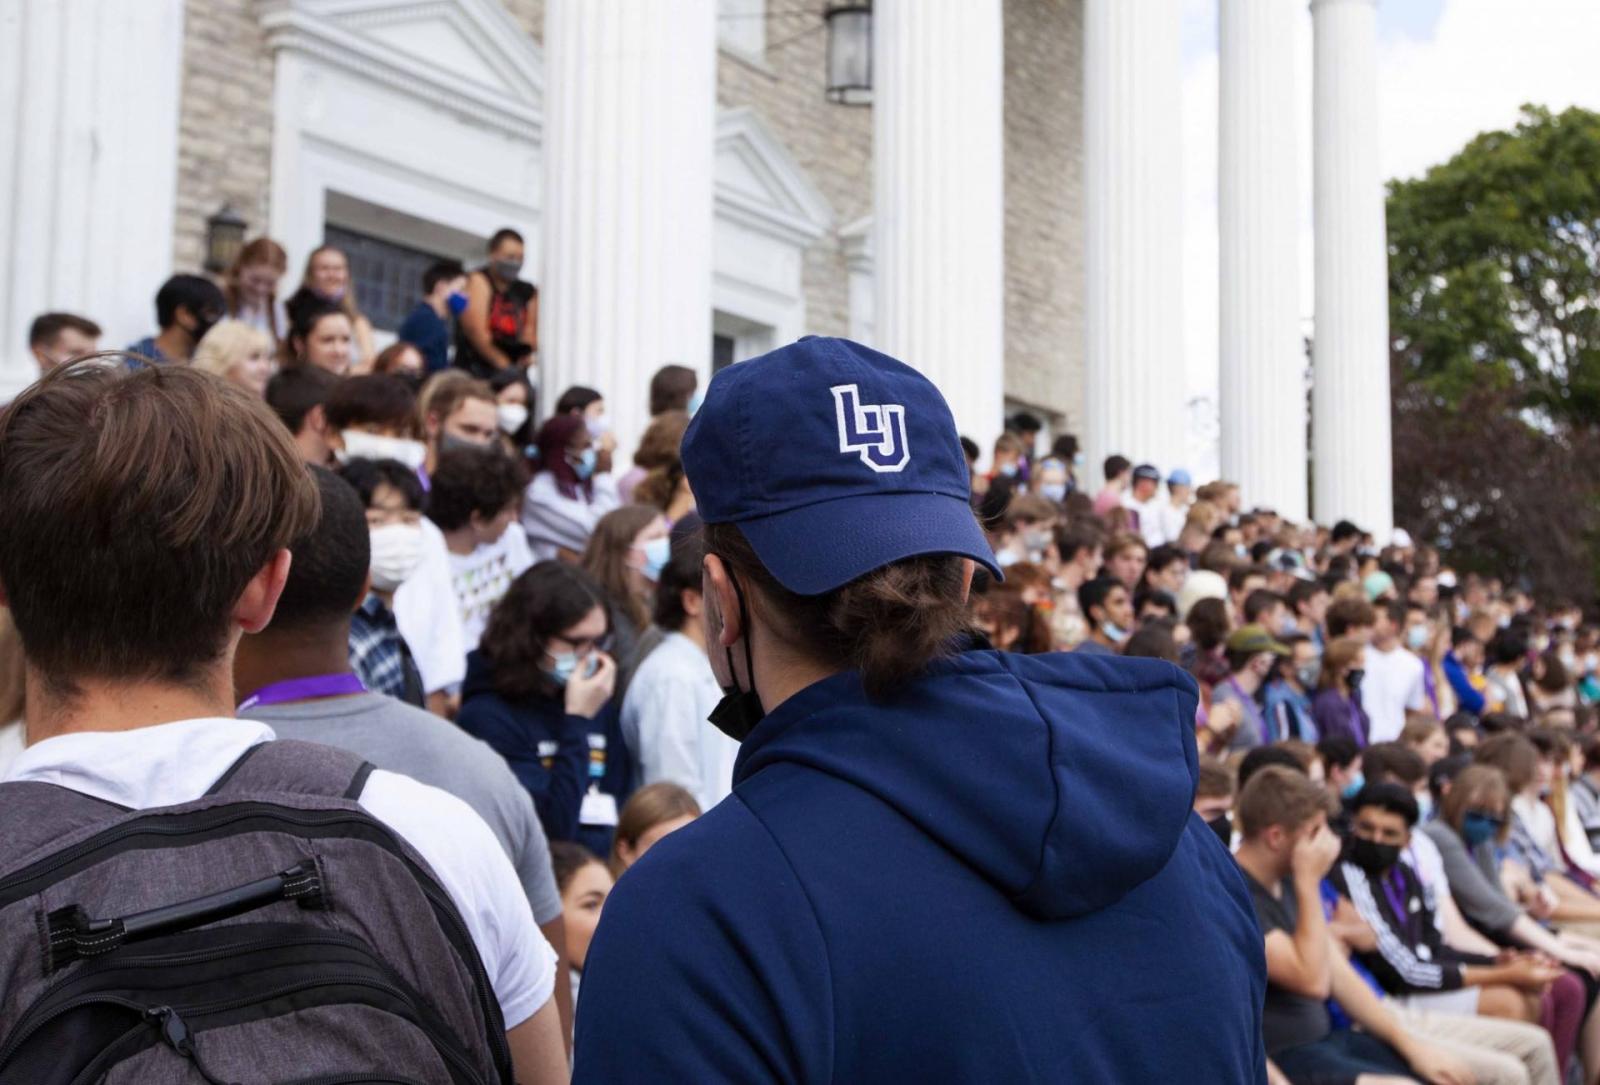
(585, 646)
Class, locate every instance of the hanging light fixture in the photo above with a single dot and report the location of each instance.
(849, 53)
(224, 238)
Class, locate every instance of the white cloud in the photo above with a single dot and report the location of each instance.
(1483, 60)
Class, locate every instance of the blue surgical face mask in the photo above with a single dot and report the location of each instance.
(1009, 470)
(657, 552)
(457, 302)
(1417, 638)
(1353, 788)
(1424, 806)
(562, 667)
(1114, 632)
(696, 401)
(583, 466)
(1053, 491)
(1078, 460)
(1478, 828)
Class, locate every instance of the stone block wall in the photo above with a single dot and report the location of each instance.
(224, 124)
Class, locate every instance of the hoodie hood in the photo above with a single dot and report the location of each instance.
(480, 675)
(1065, 780)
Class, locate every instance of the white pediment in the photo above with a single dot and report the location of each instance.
(469, 56)
(759, 180)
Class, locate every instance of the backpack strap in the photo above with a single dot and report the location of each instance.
(297, 768)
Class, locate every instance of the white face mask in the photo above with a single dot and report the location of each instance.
(512, 416)
(361, 445)
(396, 552)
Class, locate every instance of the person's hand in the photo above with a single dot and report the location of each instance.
(1581, 959)
(1314, 856)
(591, 685)
(1348, 926)
(1530, 973)
(1224, 719)
(1541, 902)
(1437, 1066)
(608, 442)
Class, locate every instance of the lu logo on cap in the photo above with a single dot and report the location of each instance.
(874, 431)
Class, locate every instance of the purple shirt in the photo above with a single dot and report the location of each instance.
(1336, 714)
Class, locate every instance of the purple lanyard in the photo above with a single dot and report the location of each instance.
(1253, 710)
(303, 689)
(1397, 899)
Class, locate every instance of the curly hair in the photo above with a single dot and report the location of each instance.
(547, 599)
(472, 480)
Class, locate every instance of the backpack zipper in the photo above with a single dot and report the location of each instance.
(17, 885)
(445, 1045)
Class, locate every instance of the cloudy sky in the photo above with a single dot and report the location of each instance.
(1448, 69)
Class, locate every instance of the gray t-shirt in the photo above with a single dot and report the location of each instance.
(397, 737)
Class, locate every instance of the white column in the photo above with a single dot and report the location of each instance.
(89, 95)
(630, 103)
(1350, 423)
(1134, 233)
(938, 100)
(1262, 357)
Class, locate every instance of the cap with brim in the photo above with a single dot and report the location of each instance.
(823, 546)
(1256, 639)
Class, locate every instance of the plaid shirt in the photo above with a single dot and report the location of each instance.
(379, 655)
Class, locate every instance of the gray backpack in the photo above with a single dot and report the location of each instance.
(268, 933)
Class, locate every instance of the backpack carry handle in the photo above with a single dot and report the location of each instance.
(73, 935)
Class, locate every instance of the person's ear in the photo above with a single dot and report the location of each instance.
(366, 590)
(968, 568)
(253, 610)
(724, 599)
(692, 601)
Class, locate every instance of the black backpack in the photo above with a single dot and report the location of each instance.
(268, 933)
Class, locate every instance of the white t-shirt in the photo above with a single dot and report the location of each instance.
(10, 745)
(178, 762)
(664, 722)
(1393, 683)
(1172, 518)
(1151, 526)
(425, 608)
(481, 578)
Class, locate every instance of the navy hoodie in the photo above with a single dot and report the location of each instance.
(993, 877)
(556, 756)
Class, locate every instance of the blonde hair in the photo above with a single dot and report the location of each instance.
(227, 344)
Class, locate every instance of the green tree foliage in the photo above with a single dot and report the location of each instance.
(1494, 278)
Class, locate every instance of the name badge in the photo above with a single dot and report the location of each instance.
(598, 809)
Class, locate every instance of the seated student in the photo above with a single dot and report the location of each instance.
(295, 675)
(474, 501)
(1029, 532)
(193, 474)
(379, 653)
(1125, 559)
(569, 492)
(1337, 709)
(585, 881)
(1286, 704)
(1585, 791)
(666, 708)
(539, 690)
(625, 555)
(1252, 654)
(1341, 769)
(456, 411)
(57, 338)
(1285, 851)
(1109, 609)
(186, 307)
(1428, 738)
(1413, 962)
(299, 397)
(1213, 798)
(652, 813)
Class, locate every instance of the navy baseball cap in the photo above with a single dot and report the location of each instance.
(833, 460)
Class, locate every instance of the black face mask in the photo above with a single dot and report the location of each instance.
(1372, 857)
(203, 324)
(1222, 825)
(737, 714)
(1354, 679)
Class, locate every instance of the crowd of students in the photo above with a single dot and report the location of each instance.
(1401, 757)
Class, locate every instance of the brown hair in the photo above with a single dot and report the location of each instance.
(1124, 542)
(446, 391)
(1215, 780)
(1513, 755)
(1303, 751)
(1336, 660)
(888, 625)
(1346, 614)
(388, 359)
(348, 301)
(263, 250)
(1031, 509)
(1008, 442)
(671, 389)
(1278, 795)
(1476, 785)
(662, 439)
(1419, 729)
(648, 807)
(606, 558)
(138, 506)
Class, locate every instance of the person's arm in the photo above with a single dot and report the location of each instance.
(555, 932)
(538, 1056)
(1366, 1009)
(1395, 962)
(530, 324)
(1527, 932)
(1300, 963)
(1468, 698)
(475, 321)
(1458, 933)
